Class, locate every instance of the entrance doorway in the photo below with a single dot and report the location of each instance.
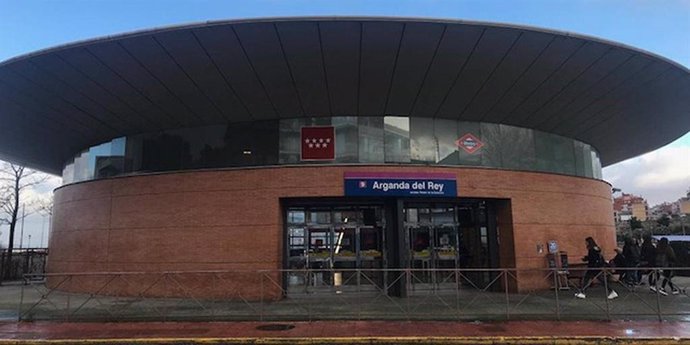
(451, 235)
(341, 244)
(333, 243)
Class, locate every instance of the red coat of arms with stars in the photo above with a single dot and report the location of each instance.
(318, 143)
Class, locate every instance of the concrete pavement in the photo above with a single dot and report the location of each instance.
(348, 332)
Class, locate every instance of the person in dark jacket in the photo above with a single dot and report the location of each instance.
(665, 258)
(648, 257)
(631, 252)
(619, 261)
(595, 262)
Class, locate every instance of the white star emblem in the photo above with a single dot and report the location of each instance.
(328, 140)
(311, 145)
(325, 145)
(306, 141)
(320, 140)
(318, 146)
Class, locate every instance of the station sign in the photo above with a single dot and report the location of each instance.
(400, 184)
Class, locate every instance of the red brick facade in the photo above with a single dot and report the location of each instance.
(231, 219)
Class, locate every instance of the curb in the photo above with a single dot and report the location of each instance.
(360, 340)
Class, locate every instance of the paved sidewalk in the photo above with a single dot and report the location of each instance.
(348, 332)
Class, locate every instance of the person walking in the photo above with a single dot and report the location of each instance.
(665, 259)
(632, 254)
(595, 263)
(648, 258)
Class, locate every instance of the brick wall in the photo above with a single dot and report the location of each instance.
(231, 219)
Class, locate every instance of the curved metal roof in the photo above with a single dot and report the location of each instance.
(56, 102)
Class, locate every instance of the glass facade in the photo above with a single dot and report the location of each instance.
(382, 139)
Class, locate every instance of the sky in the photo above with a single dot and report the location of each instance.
(660, 27)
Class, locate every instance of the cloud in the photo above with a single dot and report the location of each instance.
(659, 176)
(41, 191)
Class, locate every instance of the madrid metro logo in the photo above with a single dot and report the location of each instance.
(469, 143)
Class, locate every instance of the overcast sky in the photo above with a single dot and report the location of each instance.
(661, 27)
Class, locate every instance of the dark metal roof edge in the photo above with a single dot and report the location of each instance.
(193, 25)
(639, 154)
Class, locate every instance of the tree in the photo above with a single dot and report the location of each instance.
(15, 180)
(635, 223)
(44, 207)
(664, 221)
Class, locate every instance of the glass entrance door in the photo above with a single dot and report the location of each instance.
(340, 247)
(433, 239)
(448, 236)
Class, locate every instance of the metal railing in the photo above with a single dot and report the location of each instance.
(24, 261)
(354, 294)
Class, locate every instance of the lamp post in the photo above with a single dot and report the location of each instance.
(616, 216)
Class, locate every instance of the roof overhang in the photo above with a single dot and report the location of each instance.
(56, 102)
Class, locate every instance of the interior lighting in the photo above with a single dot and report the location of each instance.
(340, 240)
(247, 152)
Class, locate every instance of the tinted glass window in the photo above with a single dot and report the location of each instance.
(375, 139)
(423, 142)
(396, 138)
(346, 139)
(554, 153)
(517, 148)
(290, 140)
(446, 134)
(370, 139)
(493, 142)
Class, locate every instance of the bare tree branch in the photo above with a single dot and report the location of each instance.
(15, 181)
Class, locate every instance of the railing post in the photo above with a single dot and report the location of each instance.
(359, 291)
(657, 277)
(457, 293)
(261, 300)
(556, 288)
(605, 272)
(21, 301)
(311, 277)
(408, 281)
(68, 301)
(505, 283)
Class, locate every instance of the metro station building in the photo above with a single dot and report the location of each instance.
(334, 143)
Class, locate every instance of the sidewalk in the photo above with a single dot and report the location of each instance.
(348, 332)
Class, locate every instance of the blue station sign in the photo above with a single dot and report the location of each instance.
(400, 184)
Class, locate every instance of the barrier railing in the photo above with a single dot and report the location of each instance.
(355, 294)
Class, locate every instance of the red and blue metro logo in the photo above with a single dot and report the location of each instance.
(318, 143)
(469, 143)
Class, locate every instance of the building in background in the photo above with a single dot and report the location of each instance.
(684, 205)
(335, 144)
(667, 209)
(628, 206)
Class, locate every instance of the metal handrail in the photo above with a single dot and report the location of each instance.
(444, 294)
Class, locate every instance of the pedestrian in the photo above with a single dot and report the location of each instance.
(665, 259)
(648, 258)
(617, 262)
(595, 263)
(631, 252)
